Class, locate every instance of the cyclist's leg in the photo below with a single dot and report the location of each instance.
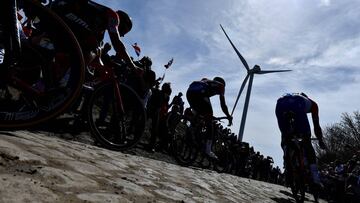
(287, 160)
(204, 108)
(108, 98)
(201, 104)
(207, 112)
(311, 159)
(281, 110)
(303, 127)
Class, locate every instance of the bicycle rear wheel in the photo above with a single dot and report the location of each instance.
(113, 129)
(298, 180)
(47, 77)
(184, 148)
(223, 164)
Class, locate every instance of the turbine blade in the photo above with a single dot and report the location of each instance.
(237, 52)
(238, 96)
(271, 71)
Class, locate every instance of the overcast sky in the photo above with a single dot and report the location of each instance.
(317, 39)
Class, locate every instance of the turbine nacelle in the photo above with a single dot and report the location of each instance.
(255, 69)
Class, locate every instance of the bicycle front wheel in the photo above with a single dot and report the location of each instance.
(44, 80)
(112, 128)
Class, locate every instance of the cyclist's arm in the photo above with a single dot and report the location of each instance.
(114, 35)
(315, 119)
(224, 107)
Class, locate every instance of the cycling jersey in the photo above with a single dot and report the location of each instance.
(300, 106)
(88, 23)
(207, 88)
(199, 93)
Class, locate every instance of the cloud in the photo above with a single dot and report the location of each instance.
(318, 40)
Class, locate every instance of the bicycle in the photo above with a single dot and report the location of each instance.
(41, 70)
(296, 165)
(188, 143)
(115, 112)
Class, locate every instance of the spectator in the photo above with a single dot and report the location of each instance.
(177, 100)
(158, 107)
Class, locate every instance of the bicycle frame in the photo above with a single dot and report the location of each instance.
(106, 73)
(297, 153)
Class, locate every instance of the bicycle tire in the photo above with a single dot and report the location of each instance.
(298, 180)
(222, 165)
(51, 103)
(183, 147)
(111, 132)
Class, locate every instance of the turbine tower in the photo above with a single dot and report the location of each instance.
(250, 76)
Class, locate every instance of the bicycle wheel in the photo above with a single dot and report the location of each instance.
(298, 180)
(220, 148)
(47, 76)
(184, 148)
(111, 128)
(315, 189)
(172, 121)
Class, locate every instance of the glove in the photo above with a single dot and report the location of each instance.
(230, 118)
(322, 144)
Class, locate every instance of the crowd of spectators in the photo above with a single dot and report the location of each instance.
(341, 180)
(251, 163)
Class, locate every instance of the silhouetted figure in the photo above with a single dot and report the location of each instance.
(177, 100)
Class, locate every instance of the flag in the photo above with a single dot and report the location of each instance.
(137, 49)
(169, 63)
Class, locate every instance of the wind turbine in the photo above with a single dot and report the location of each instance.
(250, 75)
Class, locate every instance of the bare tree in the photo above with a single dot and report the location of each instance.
(342, 139)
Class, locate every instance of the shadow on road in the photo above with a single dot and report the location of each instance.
(290, 199)
(283, 200)
(287, 193)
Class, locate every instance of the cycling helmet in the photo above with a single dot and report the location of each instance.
(125, 22)
(220, 80)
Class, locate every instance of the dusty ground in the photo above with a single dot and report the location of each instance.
(39, 167)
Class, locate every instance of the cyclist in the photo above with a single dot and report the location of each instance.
(89, 21)
(198, 96)
(300, 104)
